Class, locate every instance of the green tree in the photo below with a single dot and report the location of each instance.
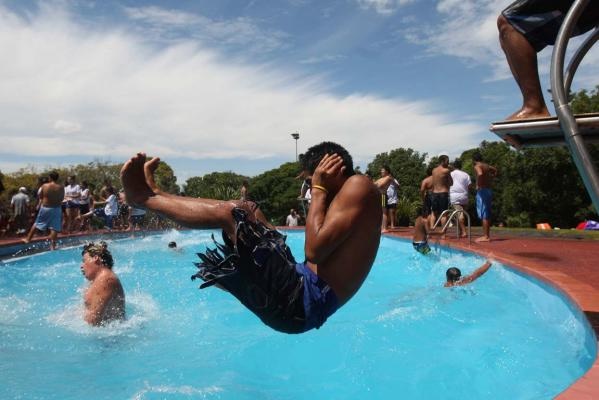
(276, 191)
(215, 185)
(166, 179)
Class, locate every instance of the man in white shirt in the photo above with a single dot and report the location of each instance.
(72, 193)
(292, 218)
(458, 192)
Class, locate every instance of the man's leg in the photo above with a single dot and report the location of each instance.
(53, 235)
(486, 231)
(151, 166)
(522, 59)
(190, 212)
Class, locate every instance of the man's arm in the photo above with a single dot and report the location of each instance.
(97, 301)
(476, 274)
(326, 228)
(383, 183)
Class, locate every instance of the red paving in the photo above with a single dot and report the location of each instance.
(570, 265)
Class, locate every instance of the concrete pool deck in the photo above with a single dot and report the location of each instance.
(569, 264)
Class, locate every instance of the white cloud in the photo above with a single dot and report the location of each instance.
(384, 7)
(112, 95)
(66, 127)
(242, 31)
(468, 30)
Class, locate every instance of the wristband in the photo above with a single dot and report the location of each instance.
(320, 188)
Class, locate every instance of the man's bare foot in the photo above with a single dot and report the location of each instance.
(149, 170)
(483, 239)
(528, 113)
(137, 191)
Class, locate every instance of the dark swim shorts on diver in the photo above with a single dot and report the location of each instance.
(260, 271)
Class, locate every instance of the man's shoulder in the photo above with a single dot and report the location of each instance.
(358, 186)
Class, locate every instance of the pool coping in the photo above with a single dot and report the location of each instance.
(583, 294)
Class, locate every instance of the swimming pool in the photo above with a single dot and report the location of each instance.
(506, 336)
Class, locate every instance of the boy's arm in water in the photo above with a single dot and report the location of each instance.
(477, 273)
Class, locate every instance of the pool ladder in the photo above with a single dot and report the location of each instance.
(454, 215)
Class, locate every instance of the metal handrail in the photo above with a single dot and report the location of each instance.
(574, 140)
(455, 215)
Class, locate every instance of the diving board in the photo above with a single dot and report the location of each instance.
(545, 131)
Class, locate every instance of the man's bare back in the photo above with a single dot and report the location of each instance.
(485, 174)
(441, 179)
(52, 194)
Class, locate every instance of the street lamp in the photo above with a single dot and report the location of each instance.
(295, 136)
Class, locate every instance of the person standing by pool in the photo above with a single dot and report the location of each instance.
(20, 204)
(426, 188)
(72, 193)
(441, 183)
(485, 174)
(256, 266)
(292, 219)
(454, 275)
(50, 213)
(104, 299)
(390, 200)
(458, 193)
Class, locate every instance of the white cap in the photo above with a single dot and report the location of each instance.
(23, 189)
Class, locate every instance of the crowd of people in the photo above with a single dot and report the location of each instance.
(72, 207)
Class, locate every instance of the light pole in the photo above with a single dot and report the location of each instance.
(295, 136)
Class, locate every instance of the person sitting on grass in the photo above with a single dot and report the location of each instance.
(454, 275)
(255, 265)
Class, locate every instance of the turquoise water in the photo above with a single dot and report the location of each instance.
(402, 336)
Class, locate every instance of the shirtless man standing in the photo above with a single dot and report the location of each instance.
(256, 266)
(441, 183)
(426, 188)
(485, 174)
(104, 299)
(50, 213)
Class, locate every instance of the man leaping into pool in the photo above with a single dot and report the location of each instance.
(255, 265)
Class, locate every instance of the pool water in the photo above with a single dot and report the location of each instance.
(402, 336)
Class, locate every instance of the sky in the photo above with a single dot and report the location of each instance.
(221, 85)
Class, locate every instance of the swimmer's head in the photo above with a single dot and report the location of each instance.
(100, 250)
(172, 245)
(453, 274)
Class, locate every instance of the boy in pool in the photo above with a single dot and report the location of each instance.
(421, 234)
(454, 275)
(255, 265)
(105, 297)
